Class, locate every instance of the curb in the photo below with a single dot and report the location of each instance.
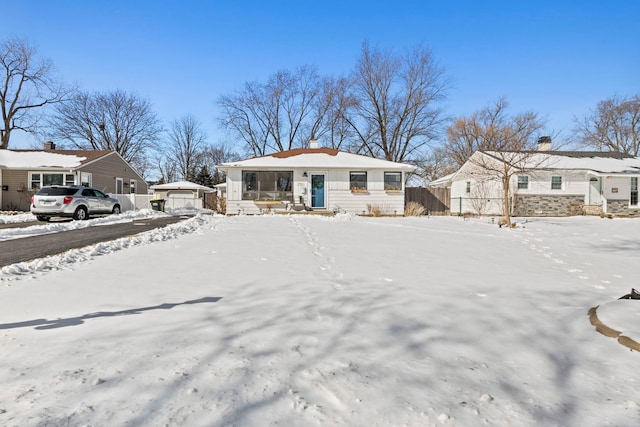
(610, 332)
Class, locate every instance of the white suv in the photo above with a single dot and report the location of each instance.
(75, 201)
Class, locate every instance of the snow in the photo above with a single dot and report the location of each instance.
(603, 165)
(180, 185)
(305, 320)
(30, 159)
(319, 160)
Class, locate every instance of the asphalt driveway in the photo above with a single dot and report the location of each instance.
(30, 248)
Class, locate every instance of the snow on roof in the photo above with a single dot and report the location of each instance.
(317, 158)
(442, 180)
(591, 161)
(180, 185)
(10, 159)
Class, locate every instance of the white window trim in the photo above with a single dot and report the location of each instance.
(518, 183)
(637, 205)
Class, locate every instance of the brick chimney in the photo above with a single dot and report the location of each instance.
(544, 143)
(49, 145)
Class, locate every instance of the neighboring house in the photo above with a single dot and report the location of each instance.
(549, 183)
(23, 172)
(315, 179)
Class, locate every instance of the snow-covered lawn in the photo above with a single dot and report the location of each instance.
(300, 320)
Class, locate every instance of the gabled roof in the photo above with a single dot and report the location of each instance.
(50, 159)
(596, 161)
(321, 158)
(180, 185)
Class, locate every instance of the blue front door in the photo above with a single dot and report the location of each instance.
(317, 191)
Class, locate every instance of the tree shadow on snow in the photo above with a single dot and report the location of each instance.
(43, 324)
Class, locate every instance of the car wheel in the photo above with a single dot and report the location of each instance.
(116, 210)
(81, 213)
(43, 218)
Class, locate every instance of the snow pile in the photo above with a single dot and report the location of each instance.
(300, 320)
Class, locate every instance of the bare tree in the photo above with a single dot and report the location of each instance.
(187, 141)
(214, 155)
(498, 146)
(330, 111)
(436, 165)
(270, 117)
(398, 111)
(167, 168)
(108, 121)
(491, 128)
(28, 84)
(613, 126)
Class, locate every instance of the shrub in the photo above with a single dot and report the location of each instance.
(414, 209)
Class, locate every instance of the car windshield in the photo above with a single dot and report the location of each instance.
(56, 191)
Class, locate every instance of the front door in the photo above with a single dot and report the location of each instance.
(317, 191)
(595, 197)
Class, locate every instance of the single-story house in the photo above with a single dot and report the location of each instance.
(316, 179)
(547, 183)
(23, 172)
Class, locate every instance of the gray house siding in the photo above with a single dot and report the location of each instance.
(105, 170)
(17, 197)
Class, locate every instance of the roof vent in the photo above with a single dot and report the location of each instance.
(544, 143)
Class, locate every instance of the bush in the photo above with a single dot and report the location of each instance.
(414, 209)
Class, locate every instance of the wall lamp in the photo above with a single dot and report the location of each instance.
(304, 174)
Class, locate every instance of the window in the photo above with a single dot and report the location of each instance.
(39, 180)
(132, 186)
(468, 190)
(119, 185)
(633, 196)
(358, 181)
(556, 183)
(523, 182)
(393, 181)
(267, 185)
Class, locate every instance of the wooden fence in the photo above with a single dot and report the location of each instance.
(435, 200)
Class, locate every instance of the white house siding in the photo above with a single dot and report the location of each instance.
(617, 192)
(483, 198)
(338, 195)
(573, 182)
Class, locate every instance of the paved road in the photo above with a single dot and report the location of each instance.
(30, 248)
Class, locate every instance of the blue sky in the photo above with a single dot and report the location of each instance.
(557, 58)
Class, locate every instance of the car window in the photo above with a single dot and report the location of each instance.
(56, 191)
(100, 194)
(88, 193)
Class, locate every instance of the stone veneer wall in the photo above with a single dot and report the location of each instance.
(548, 205)
(620, 207)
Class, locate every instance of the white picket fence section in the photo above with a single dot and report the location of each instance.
(130, 202)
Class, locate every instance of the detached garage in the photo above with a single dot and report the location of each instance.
(181, 194)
